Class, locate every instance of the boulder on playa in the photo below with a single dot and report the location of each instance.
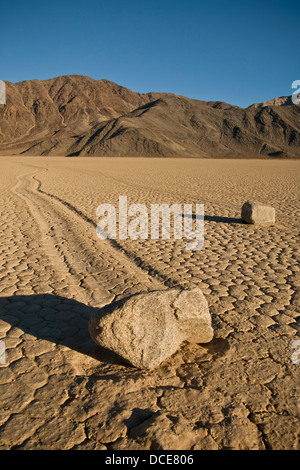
(256, 213)
(147, 328)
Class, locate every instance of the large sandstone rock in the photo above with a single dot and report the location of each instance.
(256, 213)
(147, 328)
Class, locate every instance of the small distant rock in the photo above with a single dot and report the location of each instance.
(147, 328)
(256, 213)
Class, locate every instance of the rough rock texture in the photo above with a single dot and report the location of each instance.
(256, 213)
(147, 328)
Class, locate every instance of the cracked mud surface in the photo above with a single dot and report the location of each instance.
(58, 390)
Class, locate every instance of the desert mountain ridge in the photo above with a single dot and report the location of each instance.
(75, 115)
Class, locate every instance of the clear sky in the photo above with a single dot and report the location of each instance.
(236, 51)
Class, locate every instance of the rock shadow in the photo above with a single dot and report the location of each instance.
(64, 321)
(215, 218)
(224, 220)
(56, 319)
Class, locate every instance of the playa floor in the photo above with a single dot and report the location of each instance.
(58, 390)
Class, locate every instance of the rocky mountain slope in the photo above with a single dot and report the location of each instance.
(76, 115)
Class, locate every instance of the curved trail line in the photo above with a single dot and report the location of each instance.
(130, 257)
(93, 271)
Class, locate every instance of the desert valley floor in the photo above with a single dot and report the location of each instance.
(58, 390)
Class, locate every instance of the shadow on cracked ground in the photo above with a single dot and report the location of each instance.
(64, 321)
(56, 319)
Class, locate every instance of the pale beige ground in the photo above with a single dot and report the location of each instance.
(59, 391)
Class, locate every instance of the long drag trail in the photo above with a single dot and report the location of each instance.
(79, 259)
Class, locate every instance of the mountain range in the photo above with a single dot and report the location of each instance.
(75, 115)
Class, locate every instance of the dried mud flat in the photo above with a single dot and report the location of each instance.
(59, 391)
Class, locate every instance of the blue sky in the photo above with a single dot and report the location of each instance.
(240, 52)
